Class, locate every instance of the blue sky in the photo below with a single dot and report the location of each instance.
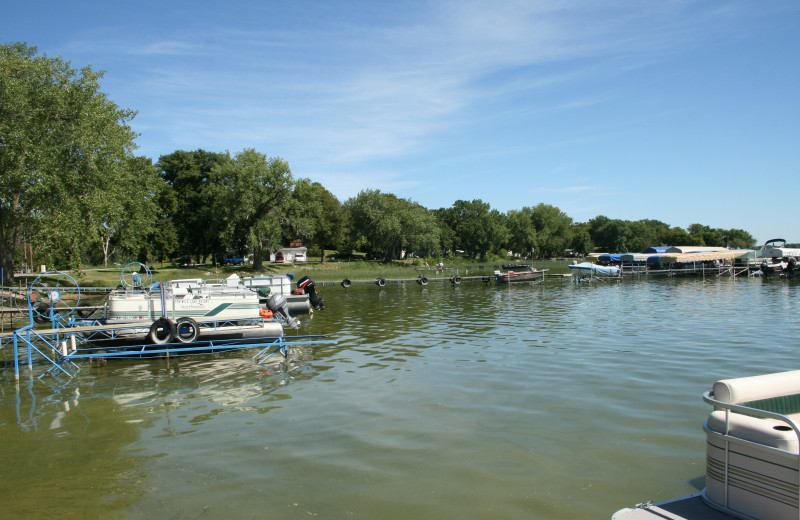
(676, 110)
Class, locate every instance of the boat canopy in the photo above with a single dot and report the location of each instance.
(704, 256)
(610, 257)
(694, 249)
(635, 257)
(656, 249)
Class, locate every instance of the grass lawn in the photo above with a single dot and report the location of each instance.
(329, 271)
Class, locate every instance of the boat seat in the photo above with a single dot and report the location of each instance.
(752, 461)
(783, 386)
(767, 432)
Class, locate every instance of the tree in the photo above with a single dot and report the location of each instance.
(253, 201)
(553, 229)
(581, 243)
(521, 230)
(193, 205)
(739, 239)
(64, 148)
(382, 222)
(323, 214)
(612, 236)
(645, 233)
(126, 215)
(473, 225)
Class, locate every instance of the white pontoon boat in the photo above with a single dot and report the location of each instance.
(752, 457)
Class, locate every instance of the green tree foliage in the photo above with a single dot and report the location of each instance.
(734, 238)
(553, 230)
(581, 242)
(252, 202)
(610, 235)
(66, 161)
(127, 215)
(192, 204)
(321, 214)
(382, 222)
(521, 231)
(477, 228)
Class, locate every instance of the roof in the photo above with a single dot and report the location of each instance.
(636, 257)
(656, 249)
(610, 257)
(725, 254)
(693, 249)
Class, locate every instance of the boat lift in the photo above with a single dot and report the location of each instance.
(69, 340)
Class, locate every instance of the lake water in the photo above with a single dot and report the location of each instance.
(550, 401)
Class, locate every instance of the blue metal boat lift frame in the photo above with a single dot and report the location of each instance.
(59, 346)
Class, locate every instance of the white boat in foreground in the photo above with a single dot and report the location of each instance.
(752, 454)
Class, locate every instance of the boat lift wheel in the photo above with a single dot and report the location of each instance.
(135, 275)
(162, 331)
(186, 330)
(46, 296)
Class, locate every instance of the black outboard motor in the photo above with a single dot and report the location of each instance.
(766, 268)
(278, 305)
(307, 285)
(791, 267)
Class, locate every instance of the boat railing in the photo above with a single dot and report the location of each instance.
(730, 408)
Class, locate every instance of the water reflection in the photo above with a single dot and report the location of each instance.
(84, 448)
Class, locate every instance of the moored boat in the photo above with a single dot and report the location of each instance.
(519, 273)
(590, 269)
(187, 310)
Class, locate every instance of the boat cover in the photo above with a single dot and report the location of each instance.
(610, 257)
(589, 267)
(656, 249)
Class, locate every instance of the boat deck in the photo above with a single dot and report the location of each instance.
(691, 507)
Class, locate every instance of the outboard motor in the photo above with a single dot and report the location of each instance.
(766, 268)
(791, 267)
(278, 305)
(308, 287)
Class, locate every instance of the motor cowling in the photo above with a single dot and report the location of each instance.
(279, 306)
(309, 287)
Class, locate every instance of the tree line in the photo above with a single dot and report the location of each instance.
(73, 193)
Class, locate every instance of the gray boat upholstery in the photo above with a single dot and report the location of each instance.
(752, 446)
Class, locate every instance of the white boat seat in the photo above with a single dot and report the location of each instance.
(751, 461)
(768, 432)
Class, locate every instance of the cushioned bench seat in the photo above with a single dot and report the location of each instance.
(752, 462)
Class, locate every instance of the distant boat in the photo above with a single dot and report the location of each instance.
(590, 269)
(519, 273)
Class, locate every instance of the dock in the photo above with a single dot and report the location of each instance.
(58, 348)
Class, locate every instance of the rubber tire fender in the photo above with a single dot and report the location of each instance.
(186, 330)
(345, 283)
(162, 331)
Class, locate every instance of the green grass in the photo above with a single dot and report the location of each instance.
(329, 271)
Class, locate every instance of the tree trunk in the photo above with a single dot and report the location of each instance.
(258, 254)
(6, 258)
